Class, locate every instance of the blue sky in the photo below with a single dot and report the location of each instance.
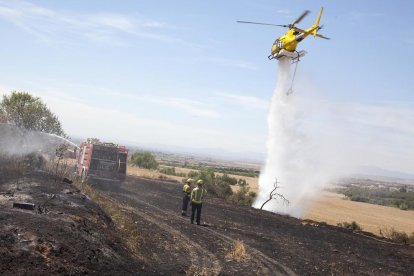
(184, 74)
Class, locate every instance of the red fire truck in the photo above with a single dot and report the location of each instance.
(101, 161)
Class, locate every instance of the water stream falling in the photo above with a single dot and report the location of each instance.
(288, 153)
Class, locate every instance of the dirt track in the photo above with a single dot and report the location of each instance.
(276, 244)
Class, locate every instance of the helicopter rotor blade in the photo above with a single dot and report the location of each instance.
(299, 30)
(305, 13)
(321, 36)
(258, 23)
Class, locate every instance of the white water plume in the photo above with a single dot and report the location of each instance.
(292, 158)
(16, 142)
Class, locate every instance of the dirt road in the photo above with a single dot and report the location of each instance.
(276, 245)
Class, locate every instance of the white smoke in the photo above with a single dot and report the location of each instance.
(297, 161)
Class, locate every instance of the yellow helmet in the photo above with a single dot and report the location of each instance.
(190, 180)
(200, 182)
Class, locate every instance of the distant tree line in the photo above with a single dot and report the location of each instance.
(400, 198)
(224, 170)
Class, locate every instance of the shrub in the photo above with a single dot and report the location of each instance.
(168, 170)
(213, 184)
(403, 206)
(241, 182)
(353, 226)
(171, 171)
(403, 190)
(144, 160)
(237, 252)
(243, 196)
(193, 174)
(395, 236)
(221, 188)
(228, 179)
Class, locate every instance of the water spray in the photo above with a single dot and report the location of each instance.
(288, 158)
(15, 141)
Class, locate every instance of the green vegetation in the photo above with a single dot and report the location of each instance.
(144, 159)
(399, 198)
(237, 171)
(214, 184)
(28, 112)
(353, 225)
(171, 171)
(224, 170)
(220, 185)
(243, 196)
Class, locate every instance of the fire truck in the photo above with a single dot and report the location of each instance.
(101, 161)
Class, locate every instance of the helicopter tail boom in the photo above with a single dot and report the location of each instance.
(318, 19)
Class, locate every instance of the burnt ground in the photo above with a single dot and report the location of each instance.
(69, 234)
(275, 244)
(66, 234)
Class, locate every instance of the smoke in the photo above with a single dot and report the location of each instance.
(294, 157)
(18, 142)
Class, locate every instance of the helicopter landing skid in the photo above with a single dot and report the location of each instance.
(294, 56)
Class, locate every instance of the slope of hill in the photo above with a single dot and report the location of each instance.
(275, 244)
(67, 233)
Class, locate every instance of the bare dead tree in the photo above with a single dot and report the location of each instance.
(274, 195)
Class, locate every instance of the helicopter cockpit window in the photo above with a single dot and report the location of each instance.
(295, 33)
(279, 43)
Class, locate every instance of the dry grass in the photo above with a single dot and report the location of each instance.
(237, 252)
(332, 209)
(195, 270)
(153, 174)
(125, 225)
(395, 236)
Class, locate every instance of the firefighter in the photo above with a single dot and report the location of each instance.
(197, 196)
(186, 195)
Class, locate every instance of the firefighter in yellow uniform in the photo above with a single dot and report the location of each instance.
(197, 196)
(186, 196)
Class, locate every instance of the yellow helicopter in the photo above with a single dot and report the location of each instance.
(285, 45)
